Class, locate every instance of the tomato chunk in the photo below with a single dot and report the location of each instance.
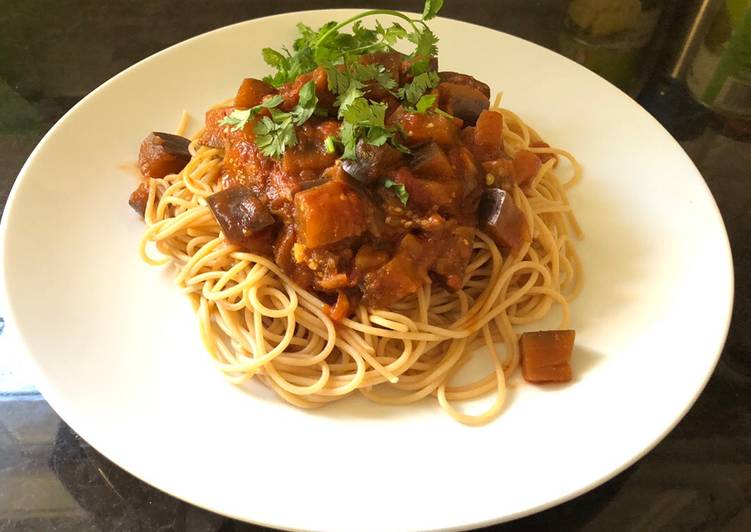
(489, 130)
(526, 166)
(215, 134)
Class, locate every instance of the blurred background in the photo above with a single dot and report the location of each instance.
(688, 62)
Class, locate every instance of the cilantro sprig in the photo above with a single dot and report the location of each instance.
(412, 92)
(274, 133)
(398, 189)
(328, 46)
(363, 119)
(349, 80)
(238, 118)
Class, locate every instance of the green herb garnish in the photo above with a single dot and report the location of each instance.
(425, 103)
(412, 92)
(237, 119)
(328, 46)
(339, 54)
(363, 119)
(330, 145)
(398, 189)
(348, 82)
(431, 9)
(275, 133)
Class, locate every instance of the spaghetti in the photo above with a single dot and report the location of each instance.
(257, 323)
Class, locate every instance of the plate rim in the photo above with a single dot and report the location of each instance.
(50, 394)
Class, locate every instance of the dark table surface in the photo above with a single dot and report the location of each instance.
(53, 53)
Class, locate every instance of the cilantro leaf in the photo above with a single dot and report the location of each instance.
(412, 92)
(420, 66)
(374, 72)
(426, 42)
(274, 134)
(277, 132)
(431, 9)
(346, 86)
(363, 37)
(425, 102)
(363, 113)
(306, 105)
(287, 65)
(238, 118)
(365, 120)
(348, 136)
(345, 99)
(398, 189)
(392, 34)
(274, 59)
(348, 83)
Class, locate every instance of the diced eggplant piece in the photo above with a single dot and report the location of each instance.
(419, 128)
(462, 101)
(328, 214)
(139, 197)
(241, 215)
(283, 245)
(401, 276)
(307, 156)
(464, 79)
(428, 195)
(162, 154)
(372, 162)
(546, 355)
(526, 166)
(430, 161)
(252, 92)
(310, 153)
(455, 251)
(489, 131)
(501, 219)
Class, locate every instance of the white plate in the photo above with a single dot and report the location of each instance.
(118, 353)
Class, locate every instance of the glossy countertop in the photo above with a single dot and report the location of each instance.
(53, 53)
